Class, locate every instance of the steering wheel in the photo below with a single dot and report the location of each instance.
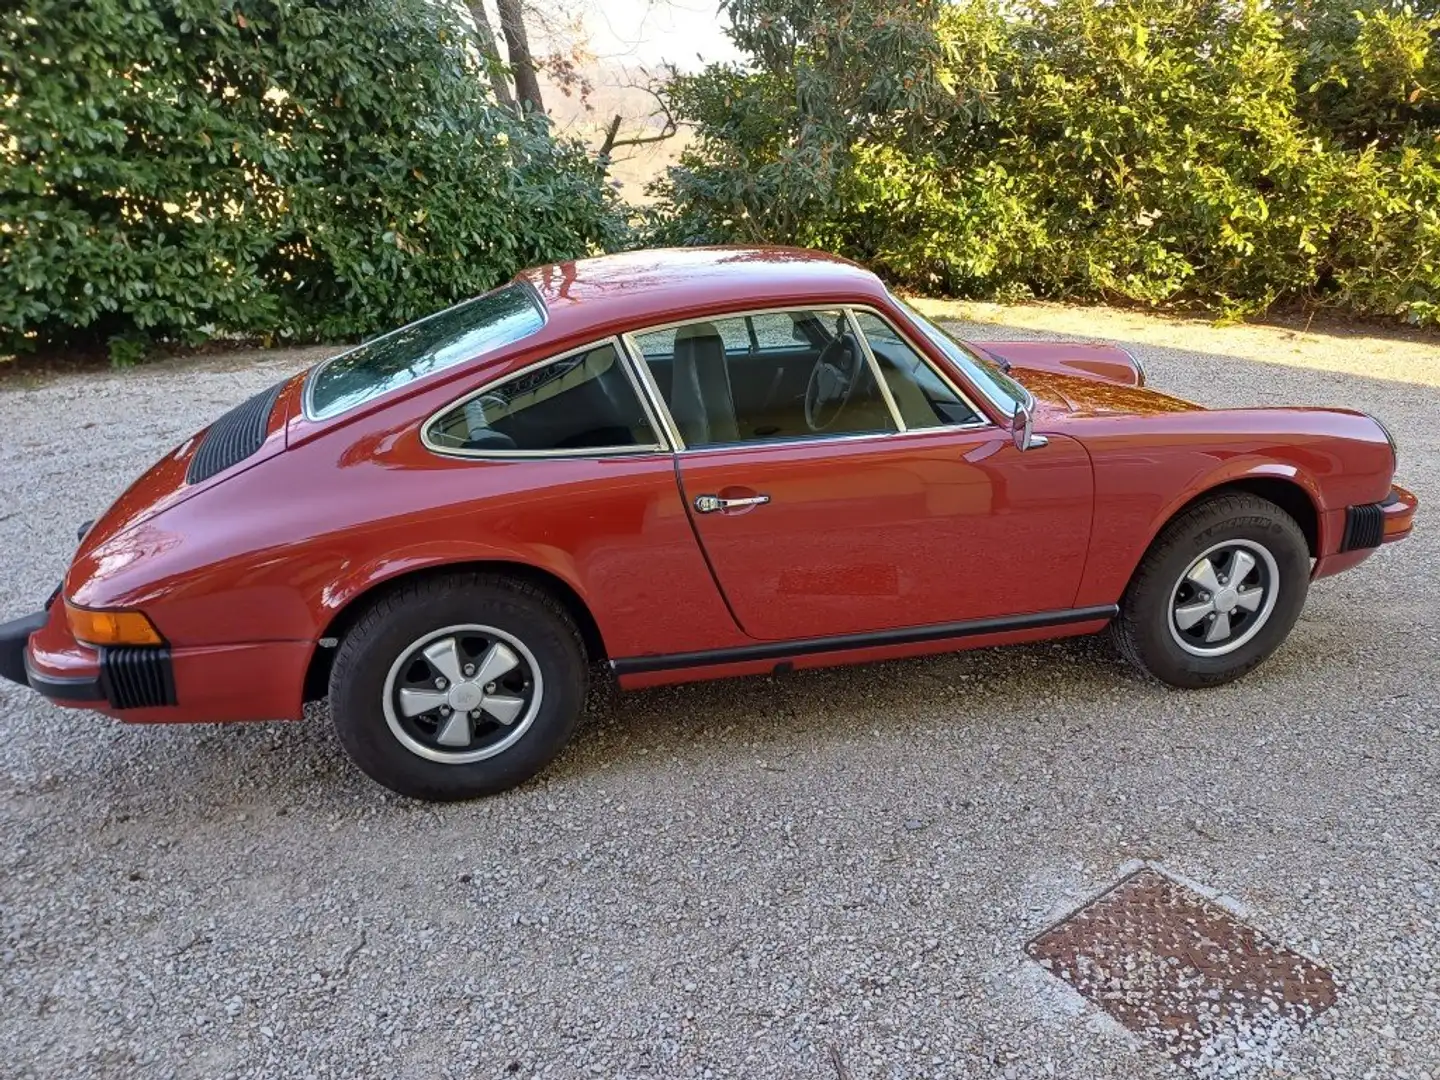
(832, 381)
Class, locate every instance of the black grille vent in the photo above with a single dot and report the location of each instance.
(1364, 527)
(234, 437)
(137, 677)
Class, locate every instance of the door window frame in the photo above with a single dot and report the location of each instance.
(622, 359)
(656, 402)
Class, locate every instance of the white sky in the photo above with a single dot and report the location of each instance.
(644, 32)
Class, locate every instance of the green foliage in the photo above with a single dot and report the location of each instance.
(1234, 153)
(297, 168)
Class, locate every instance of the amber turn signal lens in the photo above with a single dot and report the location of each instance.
(111, 627)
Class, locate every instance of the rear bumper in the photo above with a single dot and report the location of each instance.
(14, 636)
(257, 681)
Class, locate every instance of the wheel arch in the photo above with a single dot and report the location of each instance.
(317, 675)
(1285, 486)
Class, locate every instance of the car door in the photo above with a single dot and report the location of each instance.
(908, 508)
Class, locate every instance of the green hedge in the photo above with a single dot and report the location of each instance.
(1231, 153)
(178, 168)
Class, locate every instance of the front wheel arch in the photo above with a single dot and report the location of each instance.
(1288, 493)
(317, 675)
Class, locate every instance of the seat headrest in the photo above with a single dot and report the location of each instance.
(702, 331)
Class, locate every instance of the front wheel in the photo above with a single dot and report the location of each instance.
(459, 686)
(1217, 592)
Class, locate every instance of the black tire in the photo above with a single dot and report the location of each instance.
(405, 615)
(1143, 630)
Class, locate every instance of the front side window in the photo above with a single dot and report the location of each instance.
(790, 375)
(1004, 391)
(922, 398)
(449, 337)
(584, 401)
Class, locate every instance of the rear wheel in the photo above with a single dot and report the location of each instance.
(1217, 592)
(459, 686)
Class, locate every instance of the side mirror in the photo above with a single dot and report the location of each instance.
(1022, 428)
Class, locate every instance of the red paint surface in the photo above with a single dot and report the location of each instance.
(244, 573)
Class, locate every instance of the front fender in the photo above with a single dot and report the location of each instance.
(1148, 468)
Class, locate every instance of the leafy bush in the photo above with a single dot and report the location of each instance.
(306, 169)
(1232, 154)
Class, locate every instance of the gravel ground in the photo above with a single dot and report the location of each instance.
(830, 875)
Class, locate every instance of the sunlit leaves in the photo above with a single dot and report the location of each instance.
(1231, 152)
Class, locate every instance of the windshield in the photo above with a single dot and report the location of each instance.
(436, 342)
(987, 375)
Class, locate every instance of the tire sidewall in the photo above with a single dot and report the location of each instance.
(358, 688)
(1149, 606)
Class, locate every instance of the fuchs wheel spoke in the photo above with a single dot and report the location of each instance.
(1190, 614)
(1203, 574)
(1212, 615)
(499, 660)
(1250, 599)
(444, 657)
(1219, 629)
(414, 702)
(1241, 563)
(503, 707)
(456, 731)
(463, 693)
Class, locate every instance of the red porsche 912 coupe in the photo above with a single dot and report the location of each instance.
(686, 464)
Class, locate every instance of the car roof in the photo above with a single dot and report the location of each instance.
(658, 285)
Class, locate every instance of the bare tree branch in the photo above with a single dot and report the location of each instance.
(668, 127)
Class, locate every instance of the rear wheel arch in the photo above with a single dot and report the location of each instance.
(317, 675)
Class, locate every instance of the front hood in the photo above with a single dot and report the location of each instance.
(1076, 395)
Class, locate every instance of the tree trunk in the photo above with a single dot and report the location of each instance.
(522, 64)
(490, 54)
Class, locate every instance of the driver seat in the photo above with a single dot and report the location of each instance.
(700, 397)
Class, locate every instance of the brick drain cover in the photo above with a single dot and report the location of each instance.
(1168, 963)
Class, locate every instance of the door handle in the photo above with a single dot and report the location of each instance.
(709, 504)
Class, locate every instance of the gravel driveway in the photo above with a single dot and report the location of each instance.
(828, 875)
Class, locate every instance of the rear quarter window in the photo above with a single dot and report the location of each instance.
(463, 332)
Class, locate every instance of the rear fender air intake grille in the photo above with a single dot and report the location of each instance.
(1364, 527)
(234, 437)
(137, 677)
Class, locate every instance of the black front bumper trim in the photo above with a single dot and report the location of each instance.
(14, 636)
(1364, 526)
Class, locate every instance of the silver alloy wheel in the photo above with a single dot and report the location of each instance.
(1224, 599)
(462, 693)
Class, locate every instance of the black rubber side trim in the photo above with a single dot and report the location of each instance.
(910, 635)
(137, 676)
(234, 437)
(1364, 527)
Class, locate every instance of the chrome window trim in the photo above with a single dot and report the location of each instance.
(307, 407)
(637, 357)
(641, 372)
(613, 340)
(944, 376)
(875, 372)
